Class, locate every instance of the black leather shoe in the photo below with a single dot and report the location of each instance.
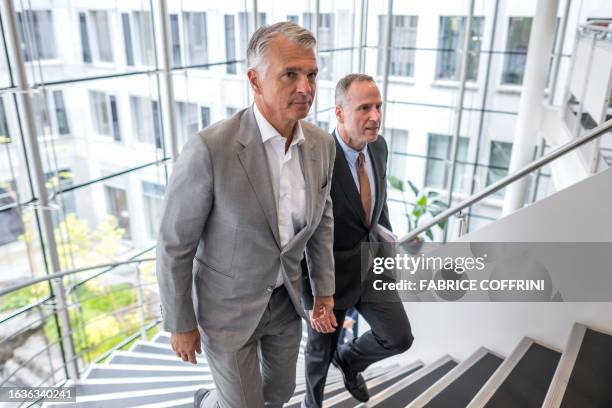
(354, 382)
(199, 396)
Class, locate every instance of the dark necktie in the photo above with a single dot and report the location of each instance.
(364, 187)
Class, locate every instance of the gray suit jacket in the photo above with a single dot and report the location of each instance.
(219, 240)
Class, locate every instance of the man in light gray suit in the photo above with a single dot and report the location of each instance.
(248, 196)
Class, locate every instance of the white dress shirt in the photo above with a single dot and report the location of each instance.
(287, 180)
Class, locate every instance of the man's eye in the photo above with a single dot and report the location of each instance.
(291, 74)
(312, 75)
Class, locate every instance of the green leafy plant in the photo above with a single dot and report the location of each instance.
(426, 204)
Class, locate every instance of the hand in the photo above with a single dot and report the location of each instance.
(348, 323)
(322, 316)
(185, 345)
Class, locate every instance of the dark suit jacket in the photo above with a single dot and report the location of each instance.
(350, 228)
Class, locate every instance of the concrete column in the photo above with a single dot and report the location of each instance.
(532, 98)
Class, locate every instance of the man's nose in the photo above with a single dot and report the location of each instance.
(304, 85)
(375, 115)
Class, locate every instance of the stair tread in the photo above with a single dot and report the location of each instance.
(528, 382)
(590, 379)
(411, 391)
(461, 391)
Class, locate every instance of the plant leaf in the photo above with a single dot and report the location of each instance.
(414, 188)
(429, 234)
(422, 201)
(396, 183)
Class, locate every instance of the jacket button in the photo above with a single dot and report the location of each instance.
(270, 288)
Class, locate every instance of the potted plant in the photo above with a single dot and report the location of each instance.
(425, 204)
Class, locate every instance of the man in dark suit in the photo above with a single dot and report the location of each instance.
(359, 195)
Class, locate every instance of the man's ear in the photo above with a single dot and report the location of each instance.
(339, 114)
(253, 77)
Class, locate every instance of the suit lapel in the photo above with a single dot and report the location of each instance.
(253, 160)
(345, 178)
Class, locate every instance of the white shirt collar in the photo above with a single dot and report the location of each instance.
(268, 131)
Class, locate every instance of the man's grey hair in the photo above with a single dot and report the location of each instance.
(345, 83)
(261, 38)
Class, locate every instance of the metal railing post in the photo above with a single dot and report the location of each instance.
(457, 131)
(24, 95)
(168, 79)
(139, 299)
(462, 223)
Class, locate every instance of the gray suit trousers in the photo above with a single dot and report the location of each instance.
(262, 372)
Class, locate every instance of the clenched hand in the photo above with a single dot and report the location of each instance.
(322, 316)
(185, 345)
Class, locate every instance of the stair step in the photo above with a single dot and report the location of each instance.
(405, 391)
(129, 371)
(161, 338)
(84, 390)
(376, 385)
(132, 399)
(153, 348)
(334, 384)
(584, 373)
(136, 358)
(462, 383)
(522, 379)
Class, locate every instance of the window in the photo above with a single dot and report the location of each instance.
(230, 111)
(246, 28)
(205, 116)
(145, 120)
(325, 41)
(175, 40)
(230, 44)
(450, 40)
(323, 125)
(41, 116)
(499, 162)
(85, 47)
(117, 206)
(139, 41)
(11, 224)
(196, 40)
(403, 42)
(61, 115)
(127, 38)
(187, 120)
(517, 42)
(438, 161)
(101, 31)
(105, 115)
(399, 146)
(293, 19)
(143, 38)
(5, 137)
(36, 34)
(153, 195)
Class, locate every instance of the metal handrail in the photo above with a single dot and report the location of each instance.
(68, 272)
(544, 160)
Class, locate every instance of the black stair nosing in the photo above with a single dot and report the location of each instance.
(528, 382)
(590, 378)
(98, 373)
(396, 377)
(128, 402)
(144, 361)
(463, 388)
(412, 390)
(98, 389)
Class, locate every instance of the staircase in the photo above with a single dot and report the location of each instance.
(534, 375)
